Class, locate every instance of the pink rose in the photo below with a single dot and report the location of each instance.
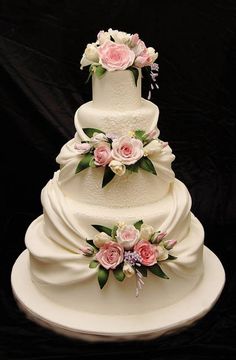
(102, 155)
(82, 148)
(115, 56)
(147, 252)
(127, 150)
(110, 255)
(127, 236)
(134, 40)
(139, 48)
(144, 59)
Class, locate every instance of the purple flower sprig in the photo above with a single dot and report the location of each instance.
(153, 73)
(133, 258)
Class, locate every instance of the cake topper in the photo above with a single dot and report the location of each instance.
(118, 50)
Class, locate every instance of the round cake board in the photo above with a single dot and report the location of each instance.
(100, 327)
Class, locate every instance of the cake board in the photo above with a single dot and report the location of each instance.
(100, 327)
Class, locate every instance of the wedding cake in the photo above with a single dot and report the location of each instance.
(117, 253)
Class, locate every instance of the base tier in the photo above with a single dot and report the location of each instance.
(144, 325)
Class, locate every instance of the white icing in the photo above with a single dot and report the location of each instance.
(145, 117)
(116, 91)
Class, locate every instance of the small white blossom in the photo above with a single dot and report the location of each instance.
(128, 270)
(100, 239)
(146, 231)
(117, 167)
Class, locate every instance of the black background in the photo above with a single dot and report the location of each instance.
(41, 43)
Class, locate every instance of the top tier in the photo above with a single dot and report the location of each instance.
(116, 90)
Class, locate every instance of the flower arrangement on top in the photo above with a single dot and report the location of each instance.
(128, 250)
(118, 50)
(118, 154)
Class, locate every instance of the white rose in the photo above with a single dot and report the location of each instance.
(91, 53)
(103, 36)
(128, 270)
(84, 62)
(152, 53)
(101, 238)
(127, 236)
(117, 167)
(119, 37)
(146, 231)
(162, 253)
(153, 148)
(97, 138)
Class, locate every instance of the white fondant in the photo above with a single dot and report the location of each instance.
(116, 90)
(90, 326)
(145, 117)
(63, 274)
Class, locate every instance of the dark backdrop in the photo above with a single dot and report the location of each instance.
(41, 43)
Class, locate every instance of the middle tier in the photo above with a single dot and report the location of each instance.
(131, 189)
(145, 117)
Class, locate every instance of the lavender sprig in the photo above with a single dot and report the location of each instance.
(153, 75)
(133, 258)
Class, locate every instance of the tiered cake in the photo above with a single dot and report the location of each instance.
(115, 213)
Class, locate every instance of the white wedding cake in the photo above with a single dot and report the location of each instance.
(117, 244)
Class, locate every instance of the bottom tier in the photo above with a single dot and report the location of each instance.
(144, 325)
(61, 271)
(80, 291)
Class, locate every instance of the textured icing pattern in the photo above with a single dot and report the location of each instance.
(116, 90)
(55, 241)
(145, 117)
(131, 189)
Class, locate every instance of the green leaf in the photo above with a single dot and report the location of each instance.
(104, 229)
(133, 167)
(138, 224)
(103, 275)
(100, 71)
(89, 76)
(90, 242)
(119, 274)
(147, 165)
(84, 162)
(135, 73)
(90, 131)
(93, 264)
(143, 270)
(140, 134)
(113, 233)
(156, 270)
(171, 257)
(92, 163)
(108, 176)
(91, 71)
